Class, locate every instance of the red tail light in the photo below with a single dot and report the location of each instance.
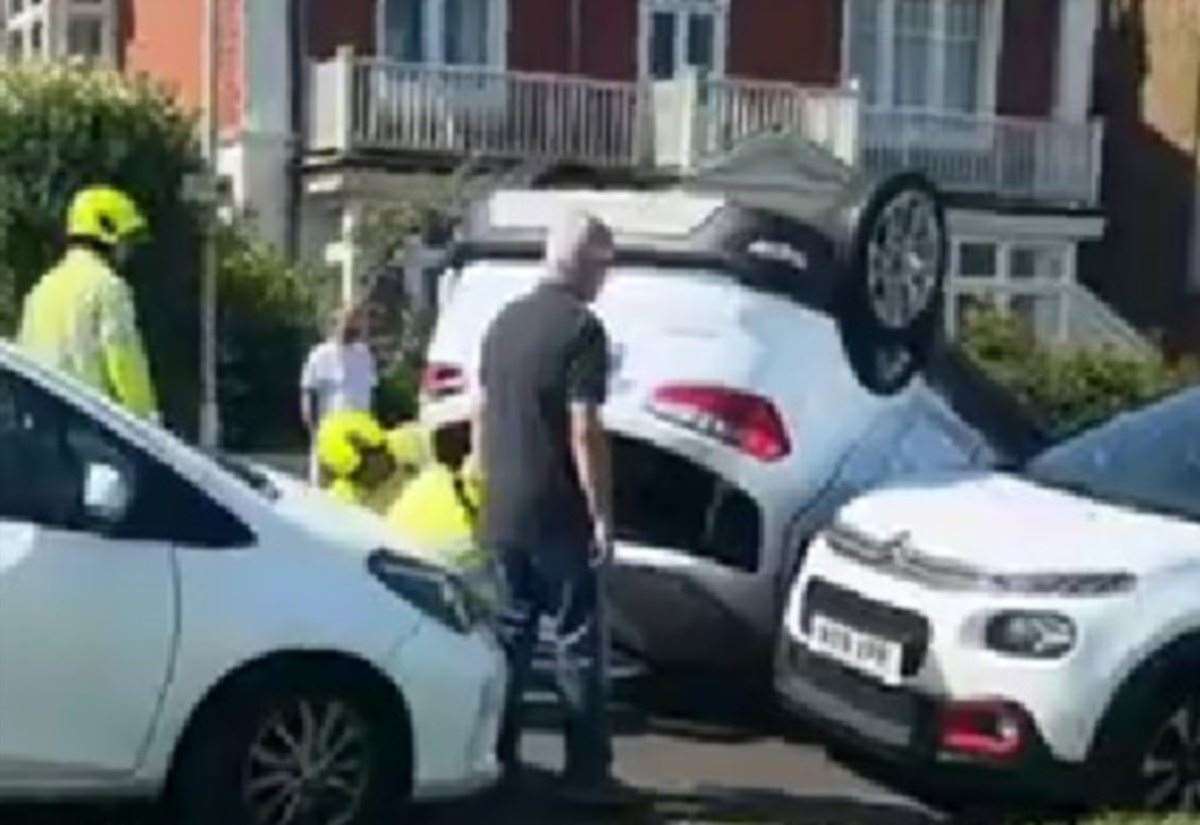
(742, 420)
(989, 729)
(441, 380)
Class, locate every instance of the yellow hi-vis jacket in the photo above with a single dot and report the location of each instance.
(437, 514)
(80, 319)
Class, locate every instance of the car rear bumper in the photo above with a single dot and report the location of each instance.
(902, 727)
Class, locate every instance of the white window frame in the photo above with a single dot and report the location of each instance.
(991, 37)
(55, 16)
(718, 9)
(1001, 287)
(434, 40)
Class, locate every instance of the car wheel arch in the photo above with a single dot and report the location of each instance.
(288, 667)
(1143, 679)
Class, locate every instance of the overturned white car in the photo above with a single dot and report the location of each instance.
(765, 367)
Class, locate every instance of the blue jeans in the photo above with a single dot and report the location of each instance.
(557, 582)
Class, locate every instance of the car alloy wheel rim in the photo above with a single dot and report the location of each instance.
(1170, 769)
(308, 764)
(904, 259)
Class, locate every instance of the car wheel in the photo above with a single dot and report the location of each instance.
(1159, 768)
(892, 299)
(324, 754)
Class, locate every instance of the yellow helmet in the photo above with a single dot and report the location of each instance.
(341, 438)
(104, 214)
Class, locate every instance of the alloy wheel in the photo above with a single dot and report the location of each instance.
(904, 259)
(308, 764)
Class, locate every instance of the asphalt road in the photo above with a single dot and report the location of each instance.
(700, 751)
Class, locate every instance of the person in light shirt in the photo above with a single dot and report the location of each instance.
(339, 375)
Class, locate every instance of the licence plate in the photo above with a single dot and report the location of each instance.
(863, 652)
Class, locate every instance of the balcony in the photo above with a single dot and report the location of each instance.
(366, 106)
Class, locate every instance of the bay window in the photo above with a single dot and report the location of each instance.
(443, 32)
(937, 55)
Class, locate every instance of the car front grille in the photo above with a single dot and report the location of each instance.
(897, 557)
(910, 629)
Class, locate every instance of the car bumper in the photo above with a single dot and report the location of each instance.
(455, 688)
(902, 728)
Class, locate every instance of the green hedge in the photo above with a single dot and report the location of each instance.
(63, 128)
(1066, 388)
(267, 323)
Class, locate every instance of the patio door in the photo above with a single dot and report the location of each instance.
(683, 33)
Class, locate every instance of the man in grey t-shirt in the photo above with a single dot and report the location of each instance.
(548, 513)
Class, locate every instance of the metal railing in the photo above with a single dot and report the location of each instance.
(737, 109)
(1042, 160)
(448, 110)
(377, 104)
(1064, 313)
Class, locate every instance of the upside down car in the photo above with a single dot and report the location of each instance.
(766, 364)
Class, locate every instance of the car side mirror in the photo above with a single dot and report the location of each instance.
(107, 494)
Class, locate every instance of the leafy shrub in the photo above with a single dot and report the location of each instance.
(1067, 388)
(266, 325)
(63, 128)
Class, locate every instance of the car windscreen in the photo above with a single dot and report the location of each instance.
(1148, 460)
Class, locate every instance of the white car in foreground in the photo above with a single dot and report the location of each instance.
(173, 623)
(762, 374)
(1042, 630)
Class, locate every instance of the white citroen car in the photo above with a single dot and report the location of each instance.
(1039, 630)
(173, 623)
(765, 368)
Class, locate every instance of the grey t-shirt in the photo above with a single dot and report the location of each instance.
(543, 352)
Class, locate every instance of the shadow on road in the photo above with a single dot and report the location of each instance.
(536, 803)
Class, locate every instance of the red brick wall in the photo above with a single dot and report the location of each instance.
(166, 41)
(1028, 58)
(334, 23)
(539, 35)
(794, 40)
(610, 39)
(231, 68)
(153, 44)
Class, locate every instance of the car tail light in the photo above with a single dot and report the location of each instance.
(747, 422)
(994, 730)
(441, 380)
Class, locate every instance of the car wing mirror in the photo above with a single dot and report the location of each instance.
(107, 494)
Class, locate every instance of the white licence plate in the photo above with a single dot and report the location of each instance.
(864, 652)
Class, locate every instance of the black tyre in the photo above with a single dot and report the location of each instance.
(309, 749)
(892, 296)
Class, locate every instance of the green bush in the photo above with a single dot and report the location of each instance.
(1067, 388)
(266, 324)
(63, 128)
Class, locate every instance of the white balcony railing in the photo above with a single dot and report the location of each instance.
(370, 104)
(1021, 158)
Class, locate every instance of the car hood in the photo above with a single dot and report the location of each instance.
(1003, 523)
(347, 528)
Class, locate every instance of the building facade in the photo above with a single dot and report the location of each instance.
(329, 108)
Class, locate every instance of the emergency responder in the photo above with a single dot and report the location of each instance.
(80, 318)
(361, 463)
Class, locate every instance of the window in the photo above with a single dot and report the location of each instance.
(977, 260)
(924, 54)
(35, 39)
(46, 448)
(1026, 279)
(450, 32)
(683, 33)
(85, 37)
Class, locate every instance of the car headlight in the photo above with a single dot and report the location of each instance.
(1035, 634)
(430, 589)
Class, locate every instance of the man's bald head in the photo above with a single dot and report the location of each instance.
(579, 249)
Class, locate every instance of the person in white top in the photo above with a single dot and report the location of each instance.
(339, 374)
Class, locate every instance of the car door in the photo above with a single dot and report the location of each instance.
(87, 595)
